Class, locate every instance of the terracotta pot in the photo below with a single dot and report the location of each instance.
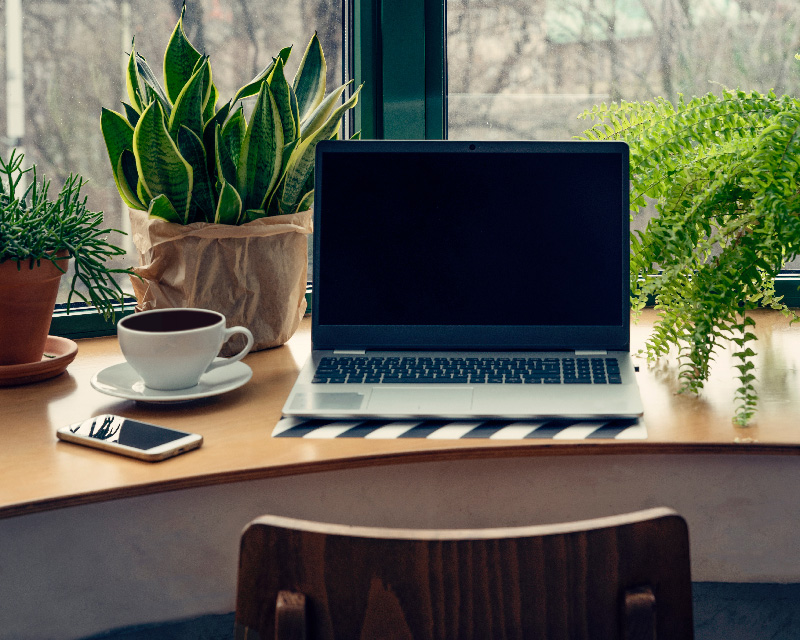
(27, 299)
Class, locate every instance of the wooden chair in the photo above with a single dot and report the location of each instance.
(623, 577)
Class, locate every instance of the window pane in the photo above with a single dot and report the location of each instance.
(526, 68)
(72, 65)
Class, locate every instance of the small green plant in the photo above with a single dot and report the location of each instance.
(180, 157)
(724, 175)
(34, 227)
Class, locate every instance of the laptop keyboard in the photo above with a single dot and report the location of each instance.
(393, 370)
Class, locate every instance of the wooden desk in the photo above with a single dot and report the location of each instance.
(236, 426)
(176, 523)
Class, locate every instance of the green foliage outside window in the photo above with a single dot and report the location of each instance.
(723, 173)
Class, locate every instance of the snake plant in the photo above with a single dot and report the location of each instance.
(180, 156)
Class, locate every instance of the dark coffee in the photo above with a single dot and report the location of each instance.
(171, 320)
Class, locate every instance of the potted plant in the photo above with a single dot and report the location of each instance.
(724, 175)
(39, 234)
(221, 204)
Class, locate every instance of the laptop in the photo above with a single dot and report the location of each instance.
(466, 280)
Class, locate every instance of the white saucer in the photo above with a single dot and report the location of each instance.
(122, 381)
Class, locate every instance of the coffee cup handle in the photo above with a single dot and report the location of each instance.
(228, 333)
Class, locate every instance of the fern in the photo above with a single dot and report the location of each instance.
(722, 173)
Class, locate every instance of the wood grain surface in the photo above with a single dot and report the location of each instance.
(37, 472)
(618, 578)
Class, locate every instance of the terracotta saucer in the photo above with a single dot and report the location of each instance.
(58, 353)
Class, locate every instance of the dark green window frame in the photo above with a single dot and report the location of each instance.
(398, 49)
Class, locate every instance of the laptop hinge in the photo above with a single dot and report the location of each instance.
(597, 352)
(349, 352)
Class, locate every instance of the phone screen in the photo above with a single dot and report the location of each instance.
(125, 431)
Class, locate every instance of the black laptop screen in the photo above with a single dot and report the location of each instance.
(443, 236)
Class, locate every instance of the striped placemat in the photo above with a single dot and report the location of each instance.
(616, 429)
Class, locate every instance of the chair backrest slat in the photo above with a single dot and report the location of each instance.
(620, 578)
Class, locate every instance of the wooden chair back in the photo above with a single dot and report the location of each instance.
(624, 577)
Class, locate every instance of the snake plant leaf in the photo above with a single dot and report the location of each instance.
(211, 92)
(253, 87)
(211, 104)
(254, 214)
(356, 135)
(151, 87)
(188, 108)
(309, 81)
(162, 169)
(141, 193)
(180, 58)
(229, 207)
(233, 132)
(210, 137)
(133, 83)
(225, 167)
(127, 178)
(287, 108)
(118, 136)
(321, 114)
(306, 202)
(203, 198)
(269, 204)
(131, 114)
(117, 133)
(160, 207)
(259, 162)
(301, 162)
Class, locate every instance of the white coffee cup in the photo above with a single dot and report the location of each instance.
(171, 348)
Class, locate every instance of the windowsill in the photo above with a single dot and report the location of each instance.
(236, 426)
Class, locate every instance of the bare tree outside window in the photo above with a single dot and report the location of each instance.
(72, 65)
(524, 69)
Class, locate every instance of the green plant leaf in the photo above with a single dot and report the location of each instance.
(321, 114)
(180, 58)
(211, 104)
(150, 87)
(203, 198)
(254, 86)
(140, 191)
(287, 107)
(301, 162)
(225, 167)
(259, 163)
(306, 202)
(210, 137)
(229, 207)
(132, 82)
(162, 169)
(309, 81)
(254, 214)
(188, 108)
(160, 207)
(233, 132)
(127, 178)
(118, 136)
(131, 114)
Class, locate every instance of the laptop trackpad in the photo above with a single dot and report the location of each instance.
(437, 401)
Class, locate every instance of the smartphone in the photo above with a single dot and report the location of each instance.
(130, 437)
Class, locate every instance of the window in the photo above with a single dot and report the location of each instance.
(431, 68)
(73, 52)
(526, 68)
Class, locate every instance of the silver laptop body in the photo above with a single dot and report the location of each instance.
(469, 280)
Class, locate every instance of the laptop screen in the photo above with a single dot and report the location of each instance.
(449, 244)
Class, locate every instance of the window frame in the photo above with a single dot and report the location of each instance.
(398, 50)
